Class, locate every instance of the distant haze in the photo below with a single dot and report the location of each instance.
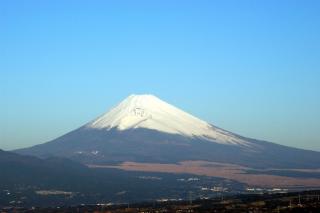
(251, 68)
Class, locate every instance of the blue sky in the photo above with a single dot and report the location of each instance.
(251, 67)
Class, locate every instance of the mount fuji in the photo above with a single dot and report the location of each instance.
(143, 128)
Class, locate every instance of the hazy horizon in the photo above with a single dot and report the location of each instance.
(250, 68)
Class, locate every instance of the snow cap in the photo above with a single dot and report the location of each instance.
(150, 112)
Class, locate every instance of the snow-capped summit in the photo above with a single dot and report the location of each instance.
(150, 112)
(143, 128)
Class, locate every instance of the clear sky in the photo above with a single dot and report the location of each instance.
(251, 67)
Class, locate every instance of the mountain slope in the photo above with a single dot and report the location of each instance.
(144, 128)
(28, 170)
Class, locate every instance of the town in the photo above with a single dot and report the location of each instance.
(308, 201)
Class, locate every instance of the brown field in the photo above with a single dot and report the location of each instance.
(228, 171)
